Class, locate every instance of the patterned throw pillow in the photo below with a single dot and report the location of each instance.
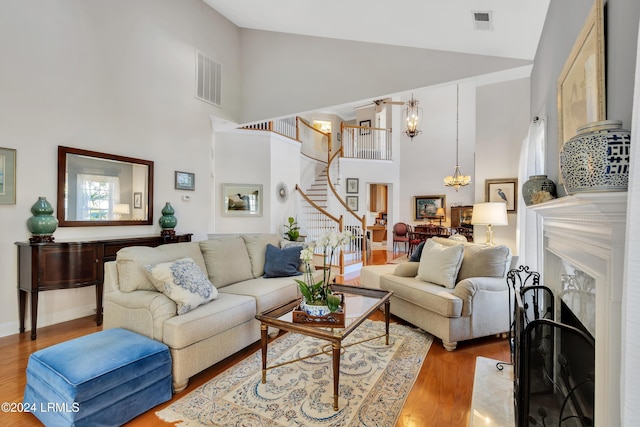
(184, 282)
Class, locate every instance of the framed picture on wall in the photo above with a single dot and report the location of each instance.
(365, 127)
(352, 202)
(137, 200)
(503, 190)
(425, 207)
(352, 185)
(7, 176)
(185, 181)
(242, 199)
(581, 87)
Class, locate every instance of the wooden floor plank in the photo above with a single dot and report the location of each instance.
(441, 395)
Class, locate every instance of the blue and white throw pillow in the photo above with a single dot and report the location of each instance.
(184, 282)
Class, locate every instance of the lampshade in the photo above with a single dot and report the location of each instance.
(489, 214)
(440, 212)
(494, 213)
(121, 208)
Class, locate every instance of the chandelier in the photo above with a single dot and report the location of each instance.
(457, 180)
(412, 117)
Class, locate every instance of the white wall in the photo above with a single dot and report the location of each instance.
(255, 157)
(332, 72)
(431, 155)
(502, 121)
(114, 77)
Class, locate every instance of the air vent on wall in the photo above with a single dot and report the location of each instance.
(482, 20)
(208, 79)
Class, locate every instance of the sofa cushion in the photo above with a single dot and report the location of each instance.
(484, 261)
(268, 293)
(256, 248)
(223, 313)
(282, 262)
(227, 260)
(131, 260)
(481, 260)
(423, 294)
(440, 264)
(184, 282)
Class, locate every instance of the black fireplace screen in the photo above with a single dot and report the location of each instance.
(554, 364)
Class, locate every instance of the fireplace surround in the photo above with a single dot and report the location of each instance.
(587, 232)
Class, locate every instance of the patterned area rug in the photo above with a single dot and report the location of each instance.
(375, 381)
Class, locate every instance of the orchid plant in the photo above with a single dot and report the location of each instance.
(320, 293)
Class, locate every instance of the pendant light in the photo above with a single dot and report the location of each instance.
(457, 180)
(412, 118)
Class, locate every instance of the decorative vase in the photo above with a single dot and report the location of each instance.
(314, 310)
(534, 185)
(168, 221)
(42, 224)
(596, 158)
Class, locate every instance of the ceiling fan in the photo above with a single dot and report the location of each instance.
(379, 103)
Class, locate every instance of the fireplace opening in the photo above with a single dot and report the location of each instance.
(554, 363)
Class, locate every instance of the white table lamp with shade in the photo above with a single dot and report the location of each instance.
(120, 209)
(489, 214)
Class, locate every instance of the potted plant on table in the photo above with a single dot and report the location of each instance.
(318, 299)
(292, 231)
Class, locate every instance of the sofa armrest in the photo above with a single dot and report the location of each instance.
(466, 290)
(407, 269)
(140, 311)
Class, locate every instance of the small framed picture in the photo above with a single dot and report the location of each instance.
(503, 190)
(7, 176)
(352, 185)
(242, 199)
(137, 200)
(365, 127)
(185, 181)
(352, 202)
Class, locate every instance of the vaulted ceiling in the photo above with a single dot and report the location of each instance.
(515, 26)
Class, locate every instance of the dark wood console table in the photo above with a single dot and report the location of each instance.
(66, 265)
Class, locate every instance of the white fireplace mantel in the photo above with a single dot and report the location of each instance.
(588, 231)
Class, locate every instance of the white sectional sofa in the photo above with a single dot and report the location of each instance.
(454, 298)
(214, 330)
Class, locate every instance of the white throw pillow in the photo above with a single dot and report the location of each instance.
(184, 282)
(440, 264)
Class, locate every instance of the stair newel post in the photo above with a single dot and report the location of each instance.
(365, 241)
(341, 228)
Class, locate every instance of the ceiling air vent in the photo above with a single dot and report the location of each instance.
(208, 79)
(482, 20)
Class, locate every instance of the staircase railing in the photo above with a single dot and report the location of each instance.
(352, 222)
(362, 142)
(286, 127)
(318, 221)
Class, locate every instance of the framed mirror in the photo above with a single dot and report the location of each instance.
(97, 189)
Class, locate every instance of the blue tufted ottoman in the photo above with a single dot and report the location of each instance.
(102, 379)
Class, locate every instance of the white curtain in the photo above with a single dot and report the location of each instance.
(532, 156)
(630, 370)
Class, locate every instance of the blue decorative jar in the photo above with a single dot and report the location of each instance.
(596, 158)
(42, 224)
(168, 221)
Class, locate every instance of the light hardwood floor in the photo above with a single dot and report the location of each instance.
(441, 395)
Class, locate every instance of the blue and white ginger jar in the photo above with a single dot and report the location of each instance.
(596, 158)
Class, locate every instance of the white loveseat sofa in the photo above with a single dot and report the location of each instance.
(212, 331)
(467, 300)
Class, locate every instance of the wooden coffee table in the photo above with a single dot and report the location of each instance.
(360, 304)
